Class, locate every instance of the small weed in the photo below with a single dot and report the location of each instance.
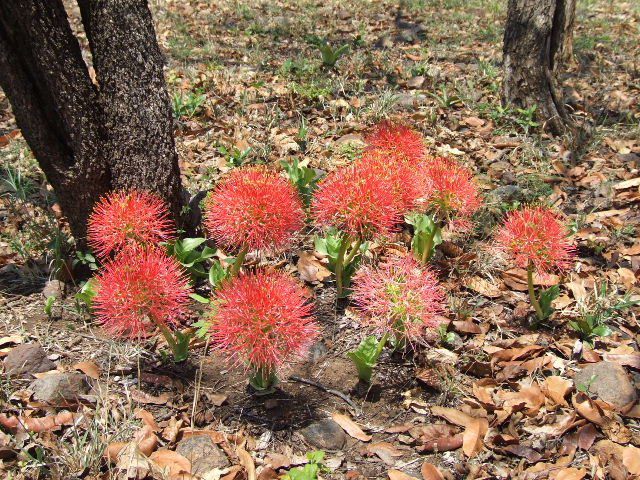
(445, 99)
(235, 157)
(187, 105)
(330, 55)
(17, 185)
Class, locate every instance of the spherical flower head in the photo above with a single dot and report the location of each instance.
(399, 142)
(357, 201)
(256, 208)
(451, 192)
(406, 185)
(263, 320)
(399, 297)
(125, 218)
(536, 236)
(141, 288)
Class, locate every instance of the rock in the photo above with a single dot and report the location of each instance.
(53, 288)
(415, 82)
(60, 388)
(317, 352)
(26, 359)
(609, 382)
(408, 100)
(325, 434)
(507, 194)
(203, 454)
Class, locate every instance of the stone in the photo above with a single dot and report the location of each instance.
(53, 288)
(60, 388)
(203, 454)
(609, 382)
(26, 359)
(507, 194)
(407, 100)
(325, 434)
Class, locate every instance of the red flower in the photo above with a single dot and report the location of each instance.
(406, 185)
(123, 219)
(140, 288)
(399, 297)
(256, 208)
(262, 319)
(451, 193)
(397, 141)
(358, 201)
(536, 235)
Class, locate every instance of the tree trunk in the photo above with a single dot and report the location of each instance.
(90, 139)
(534, 42)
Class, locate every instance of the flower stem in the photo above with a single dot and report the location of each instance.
(427, 251)
(340, 264)
(166, 333)
(237, 264)
(532, 293)
(381, 344)
(353, 253)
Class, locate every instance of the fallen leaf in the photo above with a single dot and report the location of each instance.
(398, 475)
(430, 472)
(89, 368)
(350, 427)
(631, 459)
(311, 269)
(437, 438)
(385, 451)
(452, 415)
(171, 462)
(472, 438)
(142, 397)
(557, 388)
(587, 408)
(570, 474)
(524, 451)
(147, 418)
(632, 182)
(247, 463)
(586, 436)
(39, 424)
(483, 287)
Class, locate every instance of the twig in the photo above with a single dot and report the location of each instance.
(328, 390)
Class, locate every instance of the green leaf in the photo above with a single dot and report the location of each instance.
(202, 327)
(366, 357)
(200, 298)
(601, 331)
(217, 273)
(48, 305)
(87, 293)
(546, 298)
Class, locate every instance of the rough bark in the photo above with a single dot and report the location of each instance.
(534, 41)
(89, 138)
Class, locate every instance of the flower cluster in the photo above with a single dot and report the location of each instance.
(537, 237)
(358, 201)
(398, 142)
(262, 320)
(141, 289)
(254, 208)
(122, 219)
(399, 297)
(450, 192)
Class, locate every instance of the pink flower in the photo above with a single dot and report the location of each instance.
(536, 235)
(398, 142)
(256, 208)
(262, 319)
(399, 297)
(141, 288)
(122, 219)
(451, 193)
(358, 201)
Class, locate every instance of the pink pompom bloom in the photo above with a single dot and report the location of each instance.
(255, 208)
(451, 193)
(358, 201)
(406, 185)
(122, 219)
(140, 288)
(399, 142)
(399, 297)
(536, 236)
(263, 320)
